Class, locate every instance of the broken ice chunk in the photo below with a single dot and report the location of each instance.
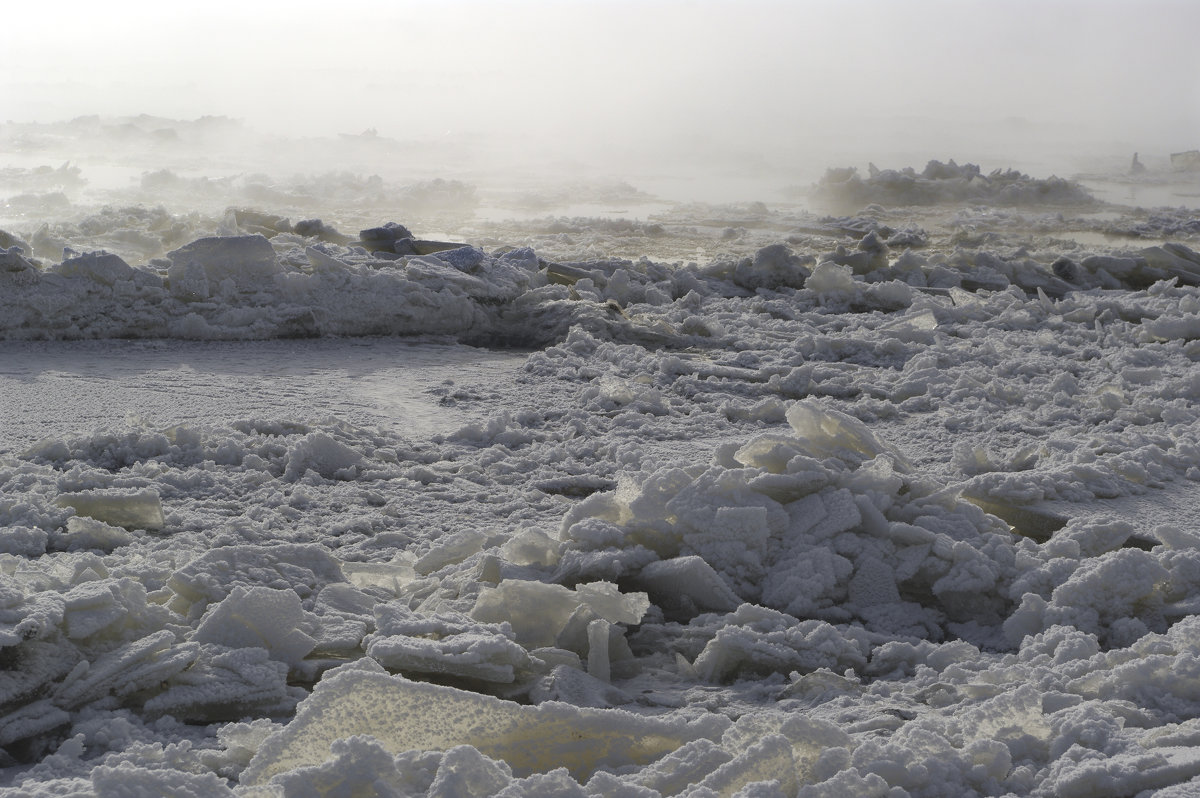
(23, 541)
(607, 601)
(454, 549)
(244, 259)
(140, 665)
(447, 643)
(117, 609)
(260, 617)
(103, 267)
(536, 610)
(687, 586)
(573, 686)
(830, 279)
(31, 669)
(126, 778)
(27, 617)
(31, 720)
(466, 773)
(88, 533)
(686, 765)
(531, 547)
(771, 452)
(768, 760)
(539, 611)
(390, 576)
(756, 640)
(141, 510)
(320, 452)
(873, 584)
(225, 684)
(1175, 538)
(1176, 260)
(598, 665)
(210, 577)
(829, 433)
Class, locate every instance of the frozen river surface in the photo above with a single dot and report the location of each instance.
(58, 388)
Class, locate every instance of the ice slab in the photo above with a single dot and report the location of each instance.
(448, 643)
(140, 510)
(405, 716)
(243, 259)
(539, 611)
(687, 585)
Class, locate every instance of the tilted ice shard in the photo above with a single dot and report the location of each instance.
(826, 432)
(405, 715)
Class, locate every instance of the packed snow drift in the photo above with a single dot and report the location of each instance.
(777, 503)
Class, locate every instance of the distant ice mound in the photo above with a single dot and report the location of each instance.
(944, 184)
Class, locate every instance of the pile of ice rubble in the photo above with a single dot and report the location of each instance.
(279, 609)
(300, 282)
(811, 571)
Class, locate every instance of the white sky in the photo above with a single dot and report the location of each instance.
(749, 77)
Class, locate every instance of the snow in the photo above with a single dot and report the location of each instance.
(894, 503)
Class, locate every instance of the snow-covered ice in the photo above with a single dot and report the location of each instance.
(759, 502)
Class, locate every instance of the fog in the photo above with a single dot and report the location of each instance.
(627, 89)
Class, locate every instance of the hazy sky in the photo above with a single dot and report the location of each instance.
(745, 79)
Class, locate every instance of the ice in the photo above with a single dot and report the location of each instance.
(102, 267)
(138, 782)
(404, 716)
(445, 644)
(139, 510)
(24, 541)
(687, 586)
(116, 609)
(571, 685)
(1126, 773)
(213, 575)
(464, 771)
(773, 266)
(897, 502)
(584, 620)
(826, 432)
(126, 670)
(246, 261)
(259, 617)
(27, 616)
(88, 533)
(226, 684)
(945, 183)
(768, 760)
(756, 640)
(323, 454)
(454, 549)
(831, 281)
